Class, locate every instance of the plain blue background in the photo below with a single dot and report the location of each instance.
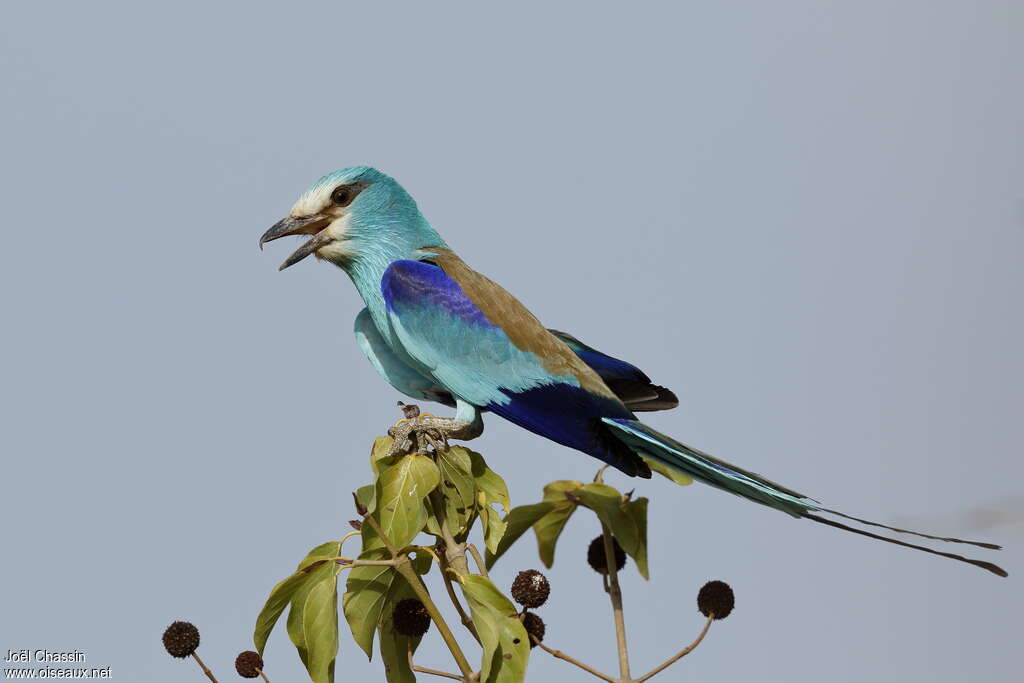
(804, 217)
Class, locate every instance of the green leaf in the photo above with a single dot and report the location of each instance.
(549, 527)
(367, 495)
(279, 598)
(637, 511)
(401, 488)
(458, 487)
(668, 472)
(505, 643)
(607, 503)
(368, 591)
(518, 521)
(328, 550)
(366, 594)
(320, 629)
(556, 490)
(487, 480)
(381, 446)
(281, 595)
(296, 615)
(494, 526)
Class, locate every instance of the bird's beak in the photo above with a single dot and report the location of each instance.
(305, 225)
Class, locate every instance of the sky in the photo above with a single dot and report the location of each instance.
(805, 218)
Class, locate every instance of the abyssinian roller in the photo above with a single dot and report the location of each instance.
(438, 330)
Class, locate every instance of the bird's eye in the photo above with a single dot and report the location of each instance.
(343, 195)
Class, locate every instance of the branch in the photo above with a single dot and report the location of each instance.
(350, 562)
(679, 655)
(467, 621)
(455, 552)
(558, 654)
(435, 672)
(209, 674)
(615, 593)
(479, 560)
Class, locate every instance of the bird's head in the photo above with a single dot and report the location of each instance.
(352, 214)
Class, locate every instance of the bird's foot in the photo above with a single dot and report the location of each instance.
(420, 431)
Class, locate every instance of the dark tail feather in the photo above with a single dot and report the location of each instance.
(995, 569)
(989, 546)
(723, 475)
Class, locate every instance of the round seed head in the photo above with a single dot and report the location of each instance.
(181, 639)
(534, 626)
(597, 559)
(716, 597)
(531, 588)
(410, 618)
(249, 664)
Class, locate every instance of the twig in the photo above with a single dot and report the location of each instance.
(346, 537)
(263, 676)
(467, 621)
(679, 655)
(209, 674)
(478, 559)
(616, 597)
(427, 549)
(435, 672)
(558, 654)
(351, 562)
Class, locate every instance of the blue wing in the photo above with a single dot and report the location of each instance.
(628, 382)
(503, 360)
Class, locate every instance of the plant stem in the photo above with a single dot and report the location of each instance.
(404, 567)
(263, 676)
(479, 560)
(679, 655)
(209, 674)
(425, 670)
(616, 597)
(455, 552)
(466, 620)
(558, 654)
(350, 562)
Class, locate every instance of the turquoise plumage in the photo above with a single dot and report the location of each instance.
(437, 330)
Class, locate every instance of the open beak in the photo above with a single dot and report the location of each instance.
(305, 225)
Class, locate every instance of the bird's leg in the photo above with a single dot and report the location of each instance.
(418, 428)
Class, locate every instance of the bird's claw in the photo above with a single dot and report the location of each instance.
(422, 432)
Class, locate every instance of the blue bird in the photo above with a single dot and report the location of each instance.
(438, 330)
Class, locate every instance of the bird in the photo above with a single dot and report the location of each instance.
(438, 330)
